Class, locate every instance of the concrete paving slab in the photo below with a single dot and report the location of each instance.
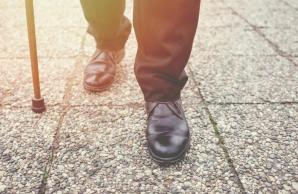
(51, 42)
(59, 31)
(292, 3)
(221, 19)
(17, 89)
(230, 41)
(25, 144)
(10, 71)
(261, 13)
(285, 39)
(262, 141)
(216, 14)
(46, 15)
(213, 5)
(295, 59)
(9, 15)
(227, 79)
(103, 149)
(52, 4)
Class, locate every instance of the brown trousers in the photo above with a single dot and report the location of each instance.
(165, 30)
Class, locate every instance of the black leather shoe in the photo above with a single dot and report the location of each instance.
(167, 133)
(101, 70)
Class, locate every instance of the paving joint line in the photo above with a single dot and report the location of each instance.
(140, 105)
(134, 105)
(289, 5)
(220, 138)
(252, 103)
(261, 34)
(65, 108)
(221, 142)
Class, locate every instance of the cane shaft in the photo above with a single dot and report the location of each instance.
(32, 46)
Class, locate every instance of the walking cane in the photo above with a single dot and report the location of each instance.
(38, 104)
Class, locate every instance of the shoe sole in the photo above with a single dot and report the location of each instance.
(97, 89)
(107, 86)
(168, 161)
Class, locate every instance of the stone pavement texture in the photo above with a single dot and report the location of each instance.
(241, 102)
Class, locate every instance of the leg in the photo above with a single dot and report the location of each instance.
(107, 23)
(111, 29)
(165, 30)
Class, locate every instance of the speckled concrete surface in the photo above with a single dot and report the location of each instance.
(25, 148)
(245, 79)
(262, 141)
(111, 156)
(241, 102)
(54, 74)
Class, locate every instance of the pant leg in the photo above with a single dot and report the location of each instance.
(107, 22)
(165, 30)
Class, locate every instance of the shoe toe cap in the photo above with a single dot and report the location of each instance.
(167, 147)
(97, 80)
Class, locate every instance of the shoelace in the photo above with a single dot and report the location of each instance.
(98, 53)
(175, 109)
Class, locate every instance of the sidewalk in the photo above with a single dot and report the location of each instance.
(241, 102)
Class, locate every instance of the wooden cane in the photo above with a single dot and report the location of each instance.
(38, 104)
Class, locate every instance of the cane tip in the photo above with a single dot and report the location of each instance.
(38, 105)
